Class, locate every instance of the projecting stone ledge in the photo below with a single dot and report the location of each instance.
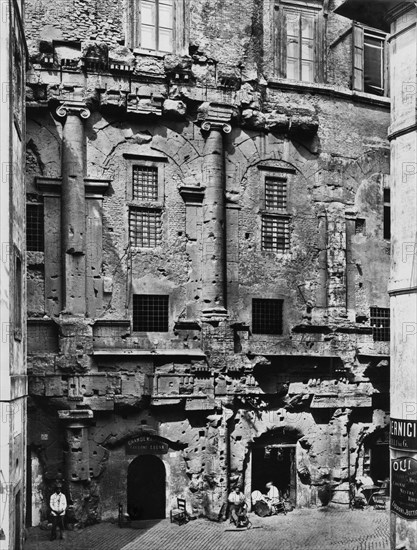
(76, 415)
(337, 401)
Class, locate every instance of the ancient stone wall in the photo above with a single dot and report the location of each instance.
(209, 390)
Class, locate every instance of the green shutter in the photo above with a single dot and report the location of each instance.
(320, 64)
(386, 68)
(280, 41)
(357, 54)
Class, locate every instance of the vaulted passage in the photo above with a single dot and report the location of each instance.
(146, 488)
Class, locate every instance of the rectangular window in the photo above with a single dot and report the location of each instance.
(299, 39)
(300, 44)
(267, 316)
(275, 193)
(145, 183)
(373, 62)
(380, 323)
(387, 214)
(34, 227)
(275, 233)
(150, 313)
(369, 61)
(144, 227)
(156, 25)
(360, 226)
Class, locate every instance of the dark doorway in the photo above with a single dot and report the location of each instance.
(146, 488)
(275, 463)
(376, 459)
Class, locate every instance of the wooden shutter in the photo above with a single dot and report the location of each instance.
(386, 67)
(320, 58)
(357, 62)
(279, 35)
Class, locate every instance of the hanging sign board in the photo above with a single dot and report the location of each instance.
(146, 445)
(403, 434)
(404, 487)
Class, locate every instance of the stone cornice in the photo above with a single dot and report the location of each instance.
(51, 186)
(192, 195)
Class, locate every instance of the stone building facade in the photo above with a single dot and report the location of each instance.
(400, 18)
(13, 380)
(208, 195)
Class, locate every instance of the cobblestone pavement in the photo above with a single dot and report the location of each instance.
(321, 529)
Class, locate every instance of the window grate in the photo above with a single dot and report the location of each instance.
(35, 228)
(275, 233)
(267, 316)
(150, 313)
(144, 227)
(380, 323)
(145, 183)
(275, 193)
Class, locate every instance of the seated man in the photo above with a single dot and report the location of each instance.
(272, 496)
(237, 504)
(259, 504)
(359, 499)
(257, 496)
(366, 480)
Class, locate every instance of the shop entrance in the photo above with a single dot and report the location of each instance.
(146, 484)
(276, 463)
(376, 456)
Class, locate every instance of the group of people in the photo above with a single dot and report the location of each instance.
(264, 503)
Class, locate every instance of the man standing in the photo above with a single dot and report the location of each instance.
(58, 504)
(236, 503)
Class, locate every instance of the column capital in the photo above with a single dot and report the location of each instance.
(73, 108)
(215, 116)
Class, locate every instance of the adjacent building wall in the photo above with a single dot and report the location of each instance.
(13, 384)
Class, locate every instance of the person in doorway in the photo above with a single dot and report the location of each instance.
(58, 505)
(272, 494)
(237, 504)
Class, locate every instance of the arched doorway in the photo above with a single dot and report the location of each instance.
(146, 488)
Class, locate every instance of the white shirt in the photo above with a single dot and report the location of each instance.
(366, 480)
(58, 504)
(236, 498)
(273, 493)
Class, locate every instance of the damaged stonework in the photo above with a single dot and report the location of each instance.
(181, 191)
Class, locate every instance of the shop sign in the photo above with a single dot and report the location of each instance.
(146, 445)
(404, 487)
(403, 434)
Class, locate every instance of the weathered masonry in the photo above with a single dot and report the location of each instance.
(208, 201)
(13, 379)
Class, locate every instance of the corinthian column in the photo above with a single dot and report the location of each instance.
(214, 213)
(73, 206)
